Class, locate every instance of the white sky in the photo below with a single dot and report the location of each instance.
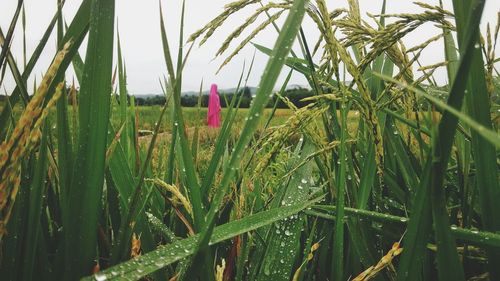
(142, 48)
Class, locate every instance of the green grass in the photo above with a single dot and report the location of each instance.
(385, 176)
(148, 116)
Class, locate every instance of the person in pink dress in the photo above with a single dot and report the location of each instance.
(213, 115)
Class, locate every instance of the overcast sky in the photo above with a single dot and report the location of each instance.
(138, 22)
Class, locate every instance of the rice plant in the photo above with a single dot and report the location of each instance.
(384, 175)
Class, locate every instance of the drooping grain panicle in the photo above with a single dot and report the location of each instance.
(247, 23)
(243, 43)
(385, 261)
(209, 28)
(176, 193)
(298, 122)
(23, 138)
(14, 151)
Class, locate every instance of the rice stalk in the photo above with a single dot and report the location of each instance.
(256, 31)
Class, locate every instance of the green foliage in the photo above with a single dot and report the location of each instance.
(386, 175)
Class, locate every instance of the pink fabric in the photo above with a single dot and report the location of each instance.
(213, 115)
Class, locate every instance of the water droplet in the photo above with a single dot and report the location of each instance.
(100, 277)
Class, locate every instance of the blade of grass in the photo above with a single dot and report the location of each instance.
(485, 158)
(11, 266)
(65, 153)
(283, 251)
(463, 145)
(166, 49)
(84, 196)
(367, 177)
(168, 254)
(10, 32)
(126, 185)
(122, 81)
(376, 84)
(137, 200)
(64, 141)
(195, 143)
(169, 173)
(20, 83)
(190, 174)
(480, 238)
(35, 208)
(23, 21)
(338, 238)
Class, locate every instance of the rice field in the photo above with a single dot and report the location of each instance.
(385, 175)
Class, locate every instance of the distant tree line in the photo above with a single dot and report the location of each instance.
(294, 95)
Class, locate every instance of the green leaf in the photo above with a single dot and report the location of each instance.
(37, 190)
(283, 249)
(138, 196)
(476, 237)
(6, 45)
(338, 238)
(65, 154)
(122, 82)
(485, 158)
(168, 254)
(84, 196)
(20, 83)
(190, 175)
